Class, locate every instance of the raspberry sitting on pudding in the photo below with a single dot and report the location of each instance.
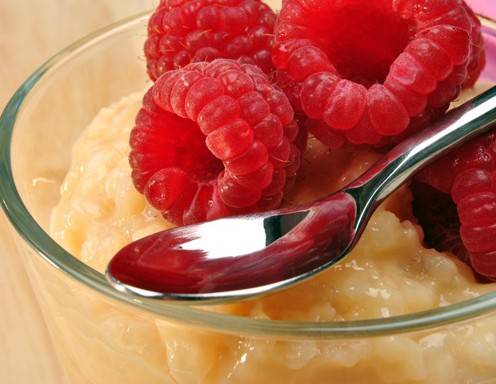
(214, 139)
(465, 178)
(365, 70)
(185, 31)
(218, 139)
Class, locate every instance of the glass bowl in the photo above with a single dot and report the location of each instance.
(104, 336)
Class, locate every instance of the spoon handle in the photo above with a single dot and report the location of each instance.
(392, 170)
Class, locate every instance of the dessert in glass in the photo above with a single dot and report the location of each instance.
(396, 310)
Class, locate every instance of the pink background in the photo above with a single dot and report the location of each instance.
(486, 7)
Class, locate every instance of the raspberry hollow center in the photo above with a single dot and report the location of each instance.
(185, 148)
(362, 38)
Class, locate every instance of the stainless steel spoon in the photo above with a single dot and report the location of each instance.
(239, 257)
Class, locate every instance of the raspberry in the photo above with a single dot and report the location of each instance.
(214, 139)
(467, 180)
(369, 71)
(185, 31)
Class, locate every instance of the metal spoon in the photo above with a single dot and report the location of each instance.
(239, 257)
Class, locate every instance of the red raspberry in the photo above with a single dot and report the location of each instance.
(467, 178)
(365, 70)
(214, 139)
(185, 31)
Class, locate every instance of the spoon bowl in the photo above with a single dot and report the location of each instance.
(238, 257)
(244, 256)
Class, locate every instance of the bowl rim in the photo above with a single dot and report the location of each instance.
(27, 227)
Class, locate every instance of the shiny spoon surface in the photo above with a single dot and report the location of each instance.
(243, 256)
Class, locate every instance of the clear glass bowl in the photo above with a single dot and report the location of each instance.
(104, 336)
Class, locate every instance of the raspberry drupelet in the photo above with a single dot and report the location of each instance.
(366, 71)
(185, 31)
(467, 177)
(214, 139)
